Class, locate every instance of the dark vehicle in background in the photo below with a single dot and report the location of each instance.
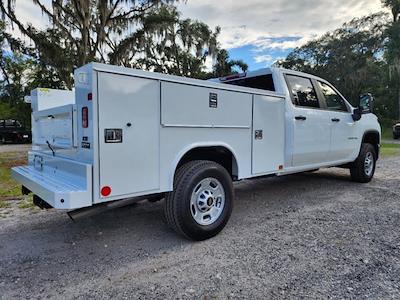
(396, 131)
(11, 131)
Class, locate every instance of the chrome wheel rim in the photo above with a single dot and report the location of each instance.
(369, 164)
(207, 201)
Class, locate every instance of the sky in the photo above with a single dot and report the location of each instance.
(257, 31)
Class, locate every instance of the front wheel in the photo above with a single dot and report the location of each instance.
(363, 168)
(201, 203)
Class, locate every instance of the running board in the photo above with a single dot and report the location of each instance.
(101, 208)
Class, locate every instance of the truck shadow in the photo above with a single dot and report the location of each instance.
(139, 231)
(146, 220)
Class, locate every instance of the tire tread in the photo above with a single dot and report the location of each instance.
(357, 167)
(181, 180)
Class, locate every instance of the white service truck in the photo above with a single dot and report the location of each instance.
(134, 134)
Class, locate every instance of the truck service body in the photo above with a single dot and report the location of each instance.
(132, 133)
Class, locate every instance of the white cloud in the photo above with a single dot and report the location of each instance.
(264, 24)
(263, 58)
(250, 22)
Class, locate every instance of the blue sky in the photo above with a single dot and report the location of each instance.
(256, 31)
(258, 58)
(262, 31)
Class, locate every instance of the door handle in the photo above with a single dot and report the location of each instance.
(336, 120)
(300, 118)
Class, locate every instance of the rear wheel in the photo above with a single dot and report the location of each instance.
(201, 203)
(363, 168)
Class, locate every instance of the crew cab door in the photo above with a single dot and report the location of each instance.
(311, 126)
(343, 137)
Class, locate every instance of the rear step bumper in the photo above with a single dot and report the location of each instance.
(57, 188)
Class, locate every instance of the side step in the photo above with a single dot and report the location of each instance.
(100, 208)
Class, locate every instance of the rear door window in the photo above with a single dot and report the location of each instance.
(264, 82)
(302, 91)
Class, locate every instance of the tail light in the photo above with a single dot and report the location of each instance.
(85, 117)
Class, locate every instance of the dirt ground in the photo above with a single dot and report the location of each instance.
(15, 148)
(312, 235)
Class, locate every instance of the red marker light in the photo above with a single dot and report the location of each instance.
(85, 117)
(105, 191)
(90, 97)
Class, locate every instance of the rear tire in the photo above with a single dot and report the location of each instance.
(201, 203)
(362, 170)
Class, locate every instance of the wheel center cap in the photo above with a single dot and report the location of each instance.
(210, 201)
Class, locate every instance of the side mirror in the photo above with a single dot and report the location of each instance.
(357, 114)
(365, 106)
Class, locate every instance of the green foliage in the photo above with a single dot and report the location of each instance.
(388, 150)
(146, 34)
(80, 31)
(352, 58)
(5, 204)
(168, 44)
(225, 66)
(9, 187)
(27, 203)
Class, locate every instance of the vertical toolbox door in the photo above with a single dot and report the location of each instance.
(129, 118)
(268, 134)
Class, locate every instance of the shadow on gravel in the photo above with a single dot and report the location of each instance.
(140, 228)
(145, 221)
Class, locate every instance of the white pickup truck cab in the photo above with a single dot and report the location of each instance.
(131, 133)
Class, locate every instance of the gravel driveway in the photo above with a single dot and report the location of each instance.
(309, 235)
(15, 148)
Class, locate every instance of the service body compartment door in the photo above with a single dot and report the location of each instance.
(129, 122)
(56, 126)
(268, 134)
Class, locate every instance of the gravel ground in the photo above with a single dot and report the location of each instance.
(15, 148)
(391, 141)
(314, 235)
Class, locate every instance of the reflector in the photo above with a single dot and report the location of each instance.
(85, 117)
(105, 191)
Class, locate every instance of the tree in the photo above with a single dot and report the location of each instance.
(225, 66)
(19, 74)
(168, 44)
(352, 58)
(393, 47)
(81, 31)
(394, 6)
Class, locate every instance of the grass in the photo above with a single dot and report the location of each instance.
(5, 204)
(389, 150)
(387, 133)
(26, 203)
(9, 188)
